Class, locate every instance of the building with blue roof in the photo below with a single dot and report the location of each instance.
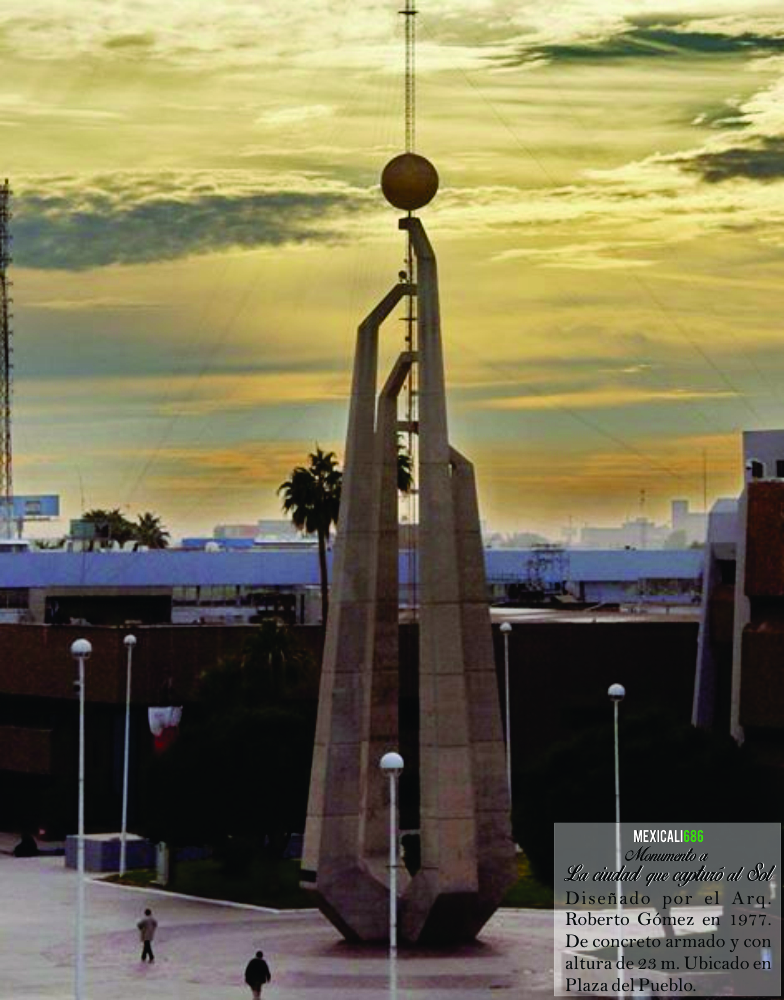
(181, 585)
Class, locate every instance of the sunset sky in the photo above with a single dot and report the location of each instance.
(198, 230)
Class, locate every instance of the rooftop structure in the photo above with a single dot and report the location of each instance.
(180, 585)
(739, 684)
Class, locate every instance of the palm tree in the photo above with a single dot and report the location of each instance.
(312, 497)
(47, 544)
(149, 531)
(110, 525)
(271, 668)
(405, 474)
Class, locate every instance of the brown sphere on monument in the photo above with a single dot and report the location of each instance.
(409, 181)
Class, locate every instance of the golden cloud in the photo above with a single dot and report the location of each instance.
(602, 397)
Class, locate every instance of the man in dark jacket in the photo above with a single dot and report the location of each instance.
(147, 926)
(257, 974)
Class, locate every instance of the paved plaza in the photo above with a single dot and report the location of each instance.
(201, 949)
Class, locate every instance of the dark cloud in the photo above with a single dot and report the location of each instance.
(763, 161)
(143, 40)
(127, 220)
(720, 116)
(645, 40)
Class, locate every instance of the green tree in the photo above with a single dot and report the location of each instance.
(110, 526)
(701, 774)
(271, 669)
(48, 544)
(149, 531)
(312, 497)
(240, 767)
(113, 526)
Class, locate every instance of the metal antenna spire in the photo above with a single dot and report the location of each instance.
(410, 13)
(6, 481)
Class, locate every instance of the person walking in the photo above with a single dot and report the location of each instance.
(147, 927)
(257, 973)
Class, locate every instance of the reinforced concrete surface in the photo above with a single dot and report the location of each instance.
(460, 786)
(201, 949)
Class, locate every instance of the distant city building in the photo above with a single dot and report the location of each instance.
(516, 540)
(640, 533)
(687, 528)
(277, 534)
(279, 530)
(693, 525)
(274, 533)
(264, 531)
(221, 531)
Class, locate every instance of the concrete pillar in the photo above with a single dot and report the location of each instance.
(466, 846)
(333, 857)
(464, 803)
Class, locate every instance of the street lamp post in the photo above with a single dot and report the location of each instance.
(80, 650)
(392, 763)
(506, 628)
(129, 642)
(617, 693)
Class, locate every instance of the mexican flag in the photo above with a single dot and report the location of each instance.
(163, 725)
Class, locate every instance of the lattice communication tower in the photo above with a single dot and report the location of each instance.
(6, 478)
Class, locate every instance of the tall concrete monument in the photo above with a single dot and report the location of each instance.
(467, 853)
